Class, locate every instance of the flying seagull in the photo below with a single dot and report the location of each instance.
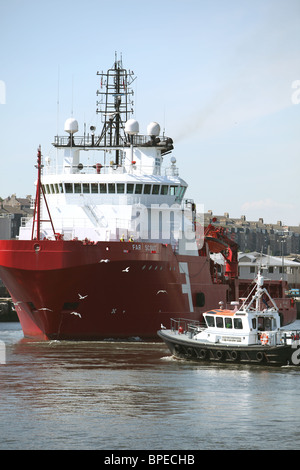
(81, 297)
(76, 314)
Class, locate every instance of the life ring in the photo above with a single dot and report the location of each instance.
(264, 338)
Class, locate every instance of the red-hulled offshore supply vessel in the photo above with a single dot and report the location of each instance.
(113, 249)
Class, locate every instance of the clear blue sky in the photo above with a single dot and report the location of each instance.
(216, 74)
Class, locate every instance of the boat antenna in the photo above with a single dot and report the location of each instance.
(37, 205)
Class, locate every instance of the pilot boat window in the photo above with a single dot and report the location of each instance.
(120, 188)
(147, 189)
(238, 324)
(69, 187)
(138, 188)
(155, 189)
(85, 188)
(164, 190)
(219, 322)
(103, 189)
(77, 188)
(111, 188)
(94, 188)
(254, 323)
(228, 322)
(210, 321)
(130, 187)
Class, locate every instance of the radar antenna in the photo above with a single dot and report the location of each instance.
(115, 105)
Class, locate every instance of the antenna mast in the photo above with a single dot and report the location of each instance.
(115, 105)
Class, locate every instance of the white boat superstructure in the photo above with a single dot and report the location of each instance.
(256, 322)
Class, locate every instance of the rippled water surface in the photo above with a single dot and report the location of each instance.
(133, 395)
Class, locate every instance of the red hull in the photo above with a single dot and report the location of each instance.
(72, 290)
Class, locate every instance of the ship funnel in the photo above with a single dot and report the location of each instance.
(153, 129)
(71, 126)
(132, 127)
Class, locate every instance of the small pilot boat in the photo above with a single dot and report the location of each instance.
(250, 333)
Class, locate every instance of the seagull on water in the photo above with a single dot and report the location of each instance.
(126, 270)
(45, 308)
(161, 292)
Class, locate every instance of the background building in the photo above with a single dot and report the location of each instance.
(273, 239)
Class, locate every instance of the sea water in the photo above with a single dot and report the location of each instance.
(135, 396)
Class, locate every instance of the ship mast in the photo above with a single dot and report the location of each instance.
(37, 205)
(116, 98)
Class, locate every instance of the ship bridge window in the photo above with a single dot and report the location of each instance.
(219, 322)
(68, 187)
(173, 190)
(147, 189)
(210, 321)
(61, 188)
(238, 324)
(120, 188)
(111, 188)
(228, 322)
(138, 189)
(155, 189)
(94, 188)
(130, 188)
(77, 188)
(103, 189)
(164, 190)
(85, 188)
(52, 188)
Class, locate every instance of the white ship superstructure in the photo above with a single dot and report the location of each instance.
(128, 192)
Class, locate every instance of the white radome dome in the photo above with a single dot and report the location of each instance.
(132, 127)
(71, 126)
(153, 129)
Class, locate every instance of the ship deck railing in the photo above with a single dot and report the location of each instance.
(112, 169)
(186, 326)
(96, 141)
